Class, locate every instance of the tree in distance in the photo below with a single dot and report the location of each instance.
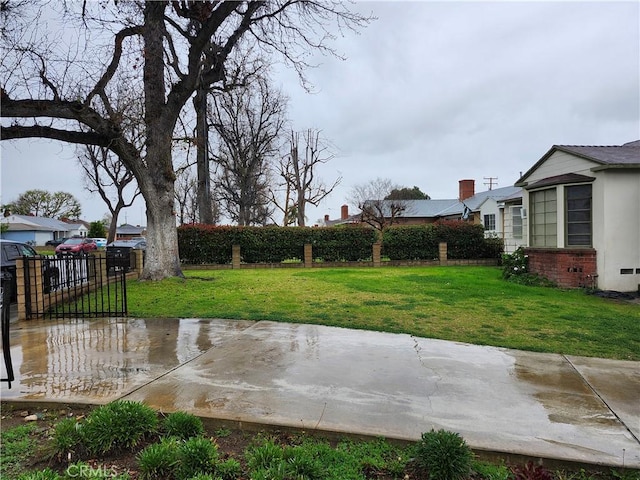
(41, 203)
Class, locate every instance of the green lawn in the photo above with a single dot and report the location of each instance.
(467, 304)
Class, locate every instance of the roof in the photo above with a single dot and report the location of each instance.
(475, 202)
(605, 157)
(44, 223)
(127, 229)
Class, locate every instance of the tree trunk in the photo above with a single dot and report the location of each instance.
(202, 143)
(158, 182)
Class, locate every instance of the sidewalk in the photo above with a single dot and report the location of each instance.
(331, 379)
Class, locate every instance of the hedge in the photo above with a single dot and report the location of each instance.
(200, 244)
(208, 244)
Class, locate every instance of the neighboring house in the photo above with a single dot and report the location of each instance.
(129, 231)
(498, 210)
(39, 230)
(583, 214)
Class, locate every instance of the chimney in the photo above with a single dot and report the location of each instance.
(326, 218)
(467, 189)
(344, 212)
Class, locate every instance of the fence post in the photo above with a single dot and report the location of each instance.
(139, 262)
(235, 256)
(308, 255)
(377, 248)
(20, 290)
(442, 253)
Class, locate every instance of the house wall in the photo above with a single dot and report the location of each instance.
(490, 207)
(615, 224)
(617, 230)
(23, 236)
(511, 243)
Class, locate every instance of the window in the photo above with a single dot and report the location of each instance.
(490, 222)
(578, 204)
(516, 222)
(543, 218)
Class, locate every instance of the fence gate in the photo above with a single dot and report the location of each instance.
(74, 286)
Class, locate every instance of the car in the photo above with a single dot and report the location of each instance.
(10, 251)
(55, 243)
(135, 243)
(76, 246)
(101, 242)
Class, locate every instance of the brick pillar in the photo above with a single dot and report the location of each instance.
(139, 265)
(308, 255)
(377, 248)
(21, 294)
(442, 253)
(235, 256)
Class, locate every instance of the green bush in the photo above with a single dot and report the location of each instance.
(183, 425)
(230, 469)
(421, 242)
(158, 460)
(67, 437)
(46, 474)
(117, 425)
(515, 268)
(264, 456)
(445, 455)
(197, 455)
(200, 244)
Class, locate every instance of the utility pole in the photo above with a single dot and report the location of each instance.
(491, 182)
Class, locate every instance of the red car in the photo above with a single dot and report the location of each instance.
(76, 246)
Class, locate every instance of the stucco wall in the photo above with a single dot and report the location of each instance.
(617, 229)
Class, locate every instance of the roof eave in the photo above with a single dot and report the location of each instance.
(616, 166)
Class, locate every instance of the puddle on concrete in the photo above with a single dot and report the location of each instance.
(101, 360)
(561, 390)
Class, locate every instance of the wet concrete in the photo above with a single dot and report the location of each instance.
(339, 380)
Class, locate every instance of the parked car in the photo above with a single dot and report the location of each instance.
(55, 243)
(76, 246)
(10, 251)
(101, 242)
(135, 243)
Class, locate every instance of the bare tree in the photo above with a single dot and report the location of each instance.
(248, 123)
(187, 201)
(299, 174)
(50, 85)
(369, 198)
(107, 176)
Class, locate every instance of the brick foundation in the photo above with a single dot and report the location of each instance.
(567, 267)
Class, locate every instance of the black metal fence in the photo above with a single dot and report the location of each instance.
(73, 286)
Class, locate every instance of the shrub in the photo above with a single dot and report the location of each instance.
(515, 264)
(67, 437)
(158, 460)
(46, 474)
(183, 425)
(230, 469)
(117, 425)
(197, 455)
(515, 268)
(263, 456)
(445, 455)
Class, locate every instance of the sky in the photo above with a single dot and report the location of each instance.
(431, 93)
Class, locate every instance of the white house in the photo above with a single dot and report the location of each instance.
(582, 206)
